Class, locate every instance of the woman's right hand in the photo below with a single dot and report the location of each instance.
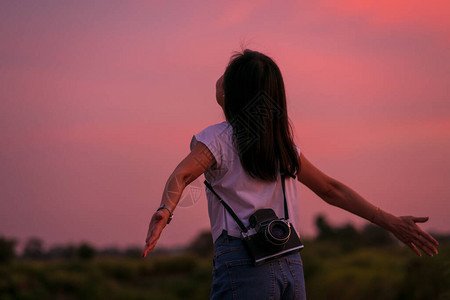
(156, 226)
(406, 230)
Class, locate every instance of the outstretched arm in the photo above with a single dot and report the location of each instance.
(197, 162)
(340, 195)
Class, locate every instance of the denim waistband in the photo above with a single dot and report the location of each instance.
(225, 238)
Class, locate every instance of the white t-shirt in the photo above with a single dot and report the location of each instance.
(241, 192)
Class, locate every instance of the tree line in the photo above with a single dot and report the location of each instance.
(347, 237)
(34, 250)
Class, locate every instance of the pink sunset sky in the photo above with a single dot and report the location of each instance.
(99, 101)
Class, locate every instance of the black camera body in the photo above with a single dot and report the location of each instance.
(270, 237)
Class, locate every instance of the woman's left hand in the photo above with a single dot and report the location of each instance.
(156, 226)
(406, 230)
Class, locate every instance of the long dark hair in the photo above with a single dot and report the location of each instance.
(255, 106)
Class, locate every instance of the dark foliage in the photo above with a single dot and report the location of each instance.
(7, 249)
(375, 269)
(34, 248)
(349, 238)
(86, 251)
(133, 252)
(62, 252)
(202, 245)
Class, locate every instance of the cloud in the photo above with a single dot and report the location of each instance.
(239, 11)
(432, 16)
(362, 137)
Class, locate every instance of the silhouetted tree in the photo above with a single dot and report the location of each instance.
(7, 249)
(347, 232)
(133, 252)
(70, 251)
(62, 251)
(34, 248)
(86, 251)
(325, 231)
(348, 237)
(202, 244)
(111, 251)
(376, 236)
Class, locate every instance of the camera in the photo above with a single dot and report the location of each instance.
(267, 237)
(270, 237)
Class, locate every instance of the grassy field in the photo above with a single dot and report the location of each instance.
(332, 272)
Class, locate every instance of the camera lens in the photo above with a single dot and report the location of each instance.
(278, 232)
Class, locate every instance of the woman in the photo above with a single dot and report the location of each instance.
(243, 159)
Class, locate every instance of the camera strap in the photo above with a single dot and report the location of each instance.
(286, 212)
(227, 207)
(235, 217)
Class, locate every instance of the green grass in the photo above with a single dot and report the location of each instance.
(331, 271)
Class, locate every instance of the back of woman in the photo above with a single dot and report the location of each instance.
(238, 189)
(250, 164)
(251, 150)
(234, 274)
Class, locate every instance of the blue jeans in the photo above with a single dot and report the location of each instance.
(235, 277)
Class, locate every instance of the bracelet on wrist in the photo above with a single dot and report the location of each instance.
(164, 206)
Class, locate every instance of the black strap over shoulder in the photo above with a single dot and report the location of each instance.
(228, 208)
(286, 212)
(235, 217)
